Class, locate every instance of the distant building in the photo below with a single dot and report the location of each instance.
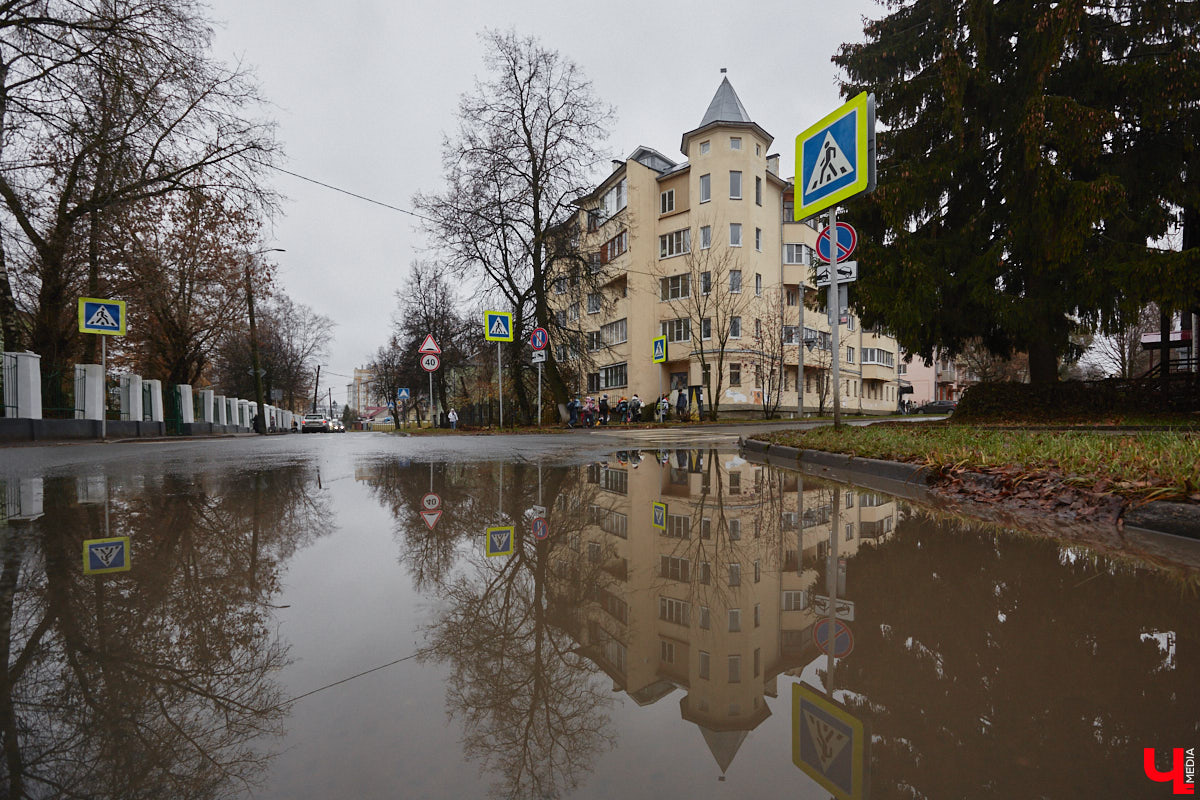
(358, 392)
(660, 235)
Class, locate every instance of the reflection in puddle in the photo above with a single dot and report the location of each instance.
(684, 615)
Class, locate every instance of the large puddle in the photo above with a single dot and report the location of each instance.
(690, 625)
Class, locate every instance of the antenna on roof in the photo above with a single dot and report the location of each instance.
(722, 70)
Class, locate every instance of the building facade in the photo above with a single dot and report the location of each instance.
(705, 252)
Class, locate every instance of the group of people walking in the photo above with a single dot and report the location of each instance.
(589, 412)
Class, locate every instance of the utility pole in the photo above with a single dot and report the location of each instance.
(316, 389)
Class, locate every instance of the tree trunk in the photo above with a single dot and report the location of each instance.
(1043, 362)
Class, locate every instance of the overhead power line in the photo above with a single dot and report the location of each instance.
(350, 193)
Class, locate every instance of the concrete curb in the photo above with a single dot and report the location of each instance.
(912, 482)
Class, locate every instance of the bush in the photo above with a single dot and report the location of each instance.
(1042, 402)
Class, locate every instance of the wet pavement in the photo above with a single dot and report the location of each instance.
(372, 616)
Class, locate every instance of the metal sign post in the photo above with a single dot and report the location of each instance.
(107, 318)
(538, 340)
(834, 319)
(500, 384)
(498, 327)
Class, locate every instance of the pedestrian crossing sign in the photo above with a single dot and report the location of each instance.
(497, 326)
(836, 157)
(106, 555)
(660, 349)
(500, 541)
(659, 512)
(102, 316)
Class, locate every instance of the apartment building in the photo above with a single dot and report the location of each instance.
(358, 392)
(705, 252)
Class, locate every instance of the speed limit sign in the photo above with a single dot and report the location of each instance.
(430, 362)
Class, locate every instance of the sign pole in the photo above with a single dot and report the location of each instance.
(539, 419)
(831, 585)
(104, 395)
(500, 389)
(834, 318)
(431, 400)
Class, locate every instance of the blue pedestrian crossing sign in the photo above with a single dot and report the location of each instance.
(500, 541)
(497, 326)
(403, 394)
(836, 157)
(97, 315)
(106, 555)
(659, 514)
(660, 349)
(828, 743)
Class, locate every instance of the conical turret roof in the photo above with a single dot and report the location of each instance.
(726, 110)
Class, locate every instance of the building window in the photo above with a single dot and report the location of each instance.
(676, 611)
(735, 374)
(704, 148)
(677, 330)
(757, 149)
(666, 651)
(705, 618)
(676, 569)
(705, 188)
(758, 189)
(594, 342)
(610, 250)
(560, 285)
(706, 328)
(705, 574)
(758, 242)
(705, 528)
(884, 358)
(735, 143)
(758, 284)
(757, 665)
(735, 327)
(703, 665)
(735, 234)
(676, 287)
(849, 355)
(613, 201)
(573, 312)
(735, 185)
(757, 328)
(614, 376)
(735, 620)
(705, 282)
(758, 615)
(795, 600)
(797, 254)
(593, 303)
(735, 574)
(666, 201)
(735, 281)
(675, 243)
(757, 576)
(793, 297)
(735, 669)
(614, 332)
(735, 525)
(705, 237)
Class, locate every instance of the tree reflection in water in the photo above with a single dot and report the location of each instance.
(155, 682)
(534, 710)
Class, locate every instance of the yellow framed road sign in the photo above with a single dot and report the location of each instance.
(500, 541)
(659, 515)
(497, 326)
(97, 315)
(106, 555)
(836, 157)
(828, 743)
(659, 349)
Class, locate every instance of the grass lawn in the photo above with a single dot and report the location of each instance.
(1144, 465)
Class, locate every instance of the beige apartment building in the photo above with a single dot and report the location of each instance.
(705, 252)
(720, 601)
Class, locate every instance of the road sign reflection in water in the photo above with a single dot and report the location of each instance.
(828, 743)
(101, 556)
(843, 639)
(500, 541)
(540, 528)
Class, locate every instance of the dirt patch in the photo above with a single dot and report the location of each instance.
(1046, 493)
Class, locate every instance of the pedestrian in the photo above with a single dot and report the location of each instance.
(623, 409)
(635, 408)
(681, 405)
(604, 409)
(453, 417)
(664, 408)
(589, 412)
(573, 411)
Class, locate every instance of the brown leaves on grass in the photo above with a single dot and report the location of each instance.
(1045, 492)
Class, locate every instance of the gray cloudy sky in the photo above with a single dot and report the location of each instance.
(363, 91)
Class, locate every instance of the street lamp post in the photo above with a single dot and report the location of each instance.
(260, 419)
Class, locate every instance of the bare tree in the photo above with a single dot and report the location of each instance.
(703, 287)
(429, 305)
(1119, 353)
(103, 106)
(525, 150)
(987, 367)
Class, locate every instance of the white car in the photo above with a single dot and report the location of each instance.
(315, 423)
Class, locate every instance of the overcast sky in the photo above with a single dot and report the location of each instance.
(364, 90)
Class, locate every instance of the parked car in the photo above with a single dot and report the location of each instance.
(936, 407)
(315, 423)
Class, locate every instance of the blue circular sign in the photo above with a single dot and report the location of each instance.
(539, 338)
(847, 241)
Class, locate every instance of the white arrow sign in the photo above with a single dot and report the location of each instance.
(845, 608)
(539, 356)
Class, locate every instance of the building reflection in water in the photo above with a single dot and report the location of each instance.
(159, 681)
(717, 603)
